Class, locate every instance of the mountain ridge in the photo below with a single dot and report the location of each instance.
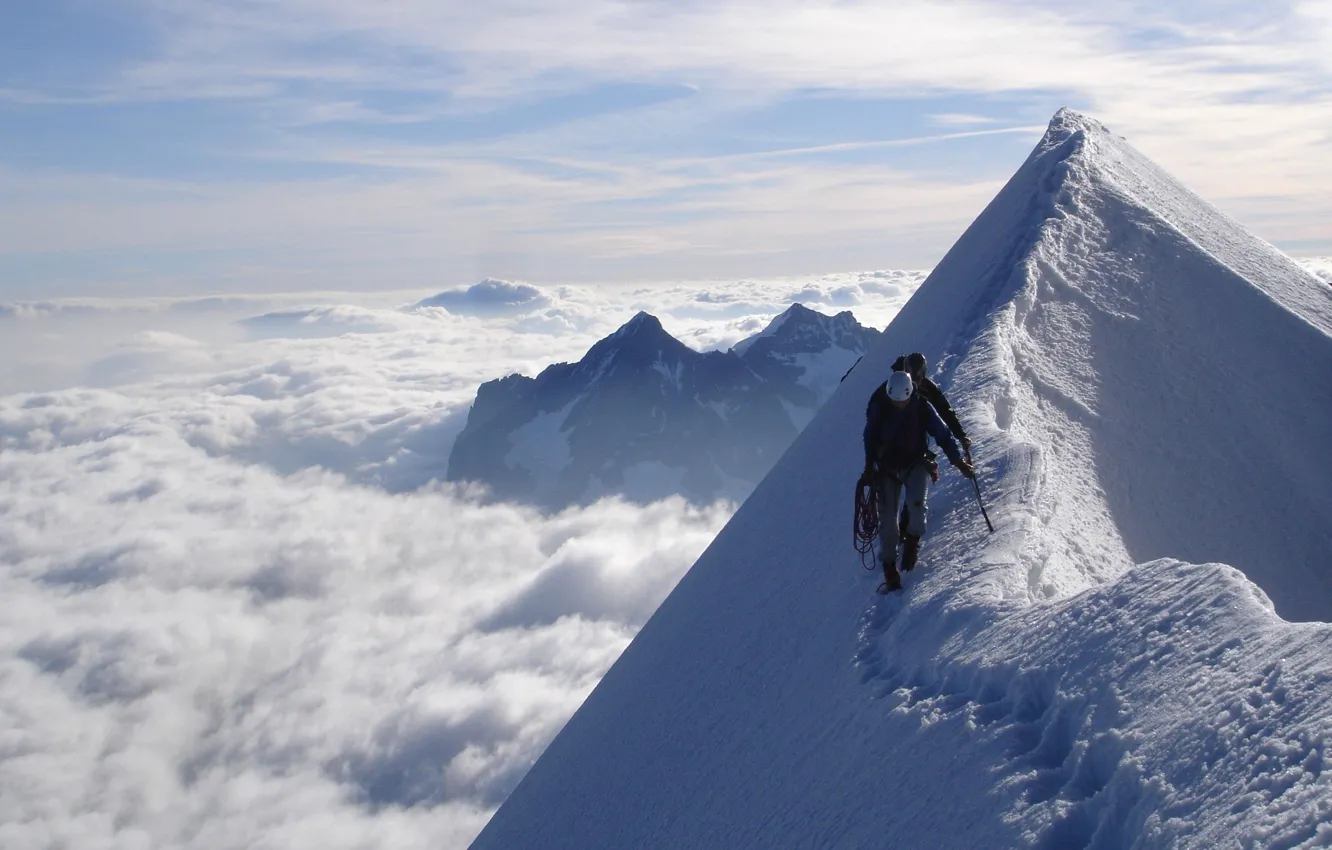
(644, 416)
(1058, 683)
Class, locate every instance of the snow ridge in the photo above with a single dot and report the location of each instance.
(1108, 669)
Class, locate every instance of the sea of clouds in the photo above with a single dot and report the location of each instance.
(1321, 267)
(238, 608)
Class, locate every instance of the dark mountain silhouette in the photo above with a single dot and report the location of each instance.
(644, 416)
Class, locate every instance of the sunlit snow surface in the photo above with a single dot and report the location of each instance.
(1149, 390)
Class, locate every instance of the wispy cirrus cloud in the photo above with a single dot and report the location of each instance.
(518, 48)
(697, 217)
(329, 134)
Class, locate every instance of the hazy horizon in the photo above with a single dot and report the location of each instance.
(166, 147)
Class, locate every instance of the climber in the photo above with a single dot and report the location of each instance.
(897, 423)
(914, 365)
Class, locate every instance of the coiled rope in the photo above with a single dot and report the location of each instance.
(865, 526)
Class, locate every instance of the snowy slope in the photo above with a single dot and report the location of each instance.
(1148, 389)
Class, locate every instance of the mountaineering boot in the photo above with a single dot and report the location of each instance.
(892, 580)
(910, 550)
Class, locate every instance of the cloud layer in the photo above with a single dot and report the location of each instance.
(104, 342)
(490, 297)
(237, 611)
(202, 653)
(1320, 267)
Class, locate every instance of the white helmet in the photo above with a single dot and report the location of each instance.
(899, 386)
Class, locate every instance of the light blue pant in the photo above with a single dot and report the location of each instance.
(916, 481)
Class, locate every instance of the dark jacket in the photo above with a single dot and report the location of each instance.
(896, 438)
(930, 391)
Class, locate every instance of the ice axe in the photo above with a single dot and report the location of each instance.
(976, 484)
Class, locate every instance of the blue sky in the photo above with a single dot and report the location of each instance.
(176, 147)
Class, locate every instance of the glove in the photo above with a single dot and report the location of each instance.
(966, 448)
(964, 468)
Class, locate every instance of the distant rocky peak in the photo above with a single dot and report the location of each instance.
(795, 311)
(798, 310)
(800, 327)
(643, 333)
(800, 319)
(641, 325)
(640, 340)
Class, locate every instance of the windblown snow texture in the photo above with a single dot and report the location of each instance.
(1148, 387)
